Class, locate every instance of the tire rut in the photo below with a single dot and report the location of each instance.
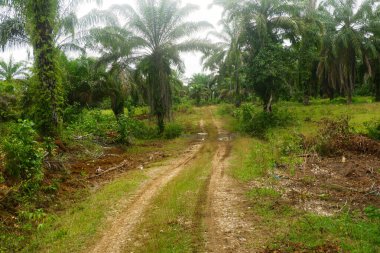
(228, 227)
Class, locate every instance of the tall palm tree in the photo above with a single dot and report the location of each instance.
(373, 49)
(164, 33)
(226, 57)
(11, 70)
(309, 45)
(36, 22)
(268, 24)
(348, 40)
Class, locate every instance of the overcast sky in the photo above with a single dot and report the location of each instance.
(192, 60)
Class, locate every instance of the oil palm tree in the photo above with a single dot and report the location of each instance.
(117, 48)
(348, 40)
(308, 46)
(164, 33)
(373, 49)
(36, 22)
(226, 56)
(268, 24)
(11, 70)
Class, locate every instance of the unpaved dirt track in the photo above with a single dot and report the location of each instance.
(116, 236)
(228, 227)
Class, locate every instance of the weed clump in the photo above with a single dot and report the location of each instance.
(172, 131)
(373, 130)
(258, 123)
(336, 137)
(23, 154)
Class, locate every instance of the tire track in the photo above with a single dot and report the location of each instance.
(228, 227)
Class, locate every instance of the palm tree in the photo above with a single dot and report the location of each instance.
(200, 87)
(309, 45)
(36, 22)
(373, 49)
(226, 57)
(348, 40)
(117, 48)
(11, 70)
(268, 24)
(164, 34)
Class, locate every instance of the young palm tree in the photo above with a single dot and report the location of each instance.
(117, 48)
(11, 70)
(164, 33)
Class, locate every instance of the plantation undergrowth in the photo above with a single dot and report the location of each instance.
(314, 192)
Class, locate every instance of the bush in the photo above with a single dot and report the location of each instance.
(93, 122)
(103, 126)
(373, 130)
(72, 113)
(23, 155)
(129, 127)
(257, 123)
(333, 136)
(226, 109)
(172, 131)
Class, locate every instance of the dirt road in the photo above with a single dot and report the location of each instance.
(228, 229)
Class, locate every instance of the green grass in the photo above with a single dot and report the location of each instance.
(72, 230)
(308, 115)
(350, 232)
(247, 166)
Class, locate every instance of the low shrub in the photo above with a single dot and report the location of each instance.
(129, 127)
(373, 130)
(257, 123)
(184, 107)
(94, 123)
(72, 113)
(172, 131)
(333, 136)
(226, 109)
(103, 126)
(23, 154)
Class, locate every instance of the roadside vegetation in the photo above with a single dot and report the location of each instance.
(103, 96)
(288, 169)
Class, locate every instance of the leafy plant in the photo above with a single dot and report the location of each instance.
(258, 123)
(373, 130)
(173, 131)
(23, 154)
(333, 135)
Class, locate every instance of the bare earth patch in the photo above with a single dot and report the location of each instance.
(328, 185)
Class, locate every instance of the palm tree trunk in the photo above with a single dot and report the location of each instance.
(377, 87)
(351, 76)
(42, 17)
(237, 89)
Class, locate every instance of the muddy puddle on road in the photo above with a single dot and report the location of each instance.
(225, 137)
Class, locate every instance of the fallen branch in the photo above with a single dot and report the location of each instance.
(122, 164)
